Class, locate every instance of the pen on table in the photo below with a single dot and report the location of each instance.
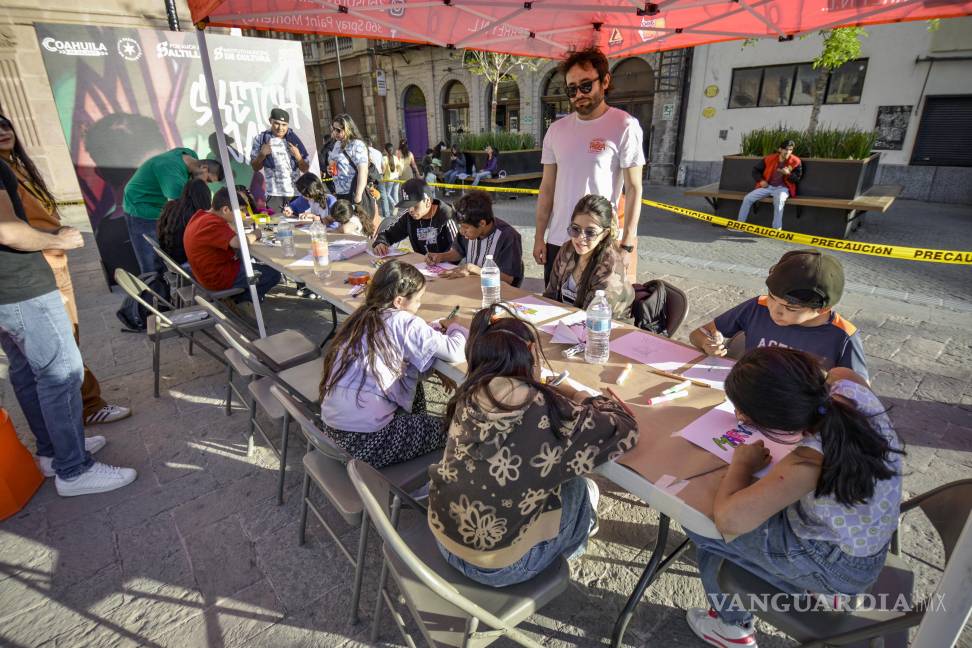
(624, 374)
(682, 386)
(455, 311)
(664, 398)
(623, 405)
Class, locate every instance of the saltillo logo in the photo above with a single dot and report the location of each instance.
(397, 9)
(74, 48)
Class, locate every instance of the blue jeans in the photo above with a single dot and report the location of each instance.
(144, 254)
(46, 373)
(576, 522)
(779, 195)
(450, 176)
(269, 278)
(479, 175)
(789, 563)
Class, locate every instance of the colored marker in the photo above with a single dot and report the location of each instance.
(682, 386)
(455, 311)
(664, 398)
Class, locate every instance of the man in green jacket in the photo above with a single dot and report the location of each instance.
(158, 180)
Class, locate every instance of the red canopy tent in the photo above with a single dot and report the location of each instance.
(545, 28)
(548, 28)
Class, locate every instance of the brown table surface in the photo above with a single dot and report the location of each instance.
(657, 453)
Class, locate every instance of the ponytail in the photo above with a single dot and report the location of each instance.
(786, 390)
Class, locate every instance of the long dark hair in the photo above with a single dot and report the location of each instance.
(600, 208)
(786, 389)
(310, 186)
(343, 210)
(363, 336)
(176, 214)
(500, 347)
(20, 158)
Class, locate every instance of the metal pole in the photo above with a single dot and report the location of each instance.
(224, 159)
(337, 52)
(172, 14)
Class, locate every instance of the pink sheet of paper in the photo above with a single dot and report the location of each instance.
(711, 370)
(654, 351)
(715, 432)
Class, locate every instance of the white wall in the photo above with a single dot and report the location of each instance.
(893, 78)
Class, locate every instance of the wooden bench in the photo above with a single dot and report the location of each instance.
(830, 217)
(513, 180)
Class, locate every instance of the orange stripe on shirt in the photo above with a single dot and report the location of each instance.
(843, 325)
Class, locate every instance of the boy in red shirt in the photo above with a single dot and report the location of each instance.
(212, 248)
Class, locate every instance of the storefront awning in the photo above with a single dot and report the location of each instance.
(548, 28)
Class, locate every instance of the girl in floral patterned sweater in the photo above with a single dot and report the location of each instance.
(509, 496)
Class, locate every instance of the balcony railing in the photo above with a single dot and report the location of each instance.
(321, 49)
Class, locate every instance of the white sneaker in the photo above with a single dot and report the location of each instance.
(108, 414)
(46, 464)
(100, 478)
(594, 495)
(708, 627)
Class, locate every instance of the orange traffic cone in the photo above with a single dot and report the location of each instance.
(19, 476)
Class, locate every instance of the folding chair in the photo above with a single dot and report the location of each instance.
(302, 381)
(948, 509)
(186, 286)
(325, 465)
(676, 307)
(176, 322)
(278, 352)
(447, 607)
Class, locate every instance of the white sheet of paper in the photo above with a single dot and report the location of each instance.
(392, 252)
(716, 432)
(711, 370)
(571, 329)
(655, 351)
(305, 262)
(535, 310)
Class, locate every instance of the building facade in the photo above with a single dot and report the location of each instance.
(912, 83)
(25, 93)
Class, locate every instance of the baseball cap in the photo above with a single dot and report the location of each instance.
(807, 278)
(280, 114)
(414, 191)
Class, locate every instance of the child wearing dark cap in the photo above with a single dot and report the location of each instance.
(796, 313)
(427, 224)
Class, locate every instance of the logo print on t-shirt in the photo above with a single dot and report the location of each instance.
(596, 146)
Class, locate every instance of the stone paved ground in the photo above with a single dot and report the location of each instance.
(196, 552)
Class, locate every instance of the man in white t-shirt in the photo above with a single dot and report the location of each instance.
(596, 149)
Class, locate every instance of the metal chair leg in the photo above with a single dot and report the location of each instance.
(229, 388)
(156, 368)
(359, 568)
(285, 432)
(249, 440)
(304, 495)
(192, 340)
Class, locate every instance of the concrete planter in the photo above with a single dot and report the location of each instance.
(822, 177)
(513, 162)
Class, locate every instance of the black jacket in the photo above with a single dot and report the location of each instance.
(406, 226)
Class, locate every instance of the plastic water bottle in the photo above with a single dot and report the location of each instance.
(598, 347)
(490, 282)
(285, 234)
(319, 250)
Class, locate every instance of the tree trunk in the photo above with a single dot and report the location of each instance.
(819, 86)
(492, 107)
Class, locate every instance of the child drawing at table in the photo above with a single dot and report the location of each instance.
(372, 400)
(509, 496)
(822, 519)
(345, 218)
(314, 201)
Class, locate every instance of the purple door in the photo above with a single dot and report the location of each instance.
(417, 131)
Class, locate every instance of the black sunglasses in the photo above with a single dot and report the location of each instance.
(584, 87)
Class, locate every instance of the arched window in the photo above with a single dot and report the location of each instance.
(455, 108)
(507, 105)
(554, 99)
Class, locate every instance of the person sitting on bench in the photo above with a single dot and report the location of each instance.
(776, 175)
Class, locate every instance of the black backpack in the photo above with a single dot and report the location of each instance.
(133, 315)
(648, 307)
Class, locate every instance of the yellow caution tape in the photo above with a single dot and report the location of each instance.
(956, 257)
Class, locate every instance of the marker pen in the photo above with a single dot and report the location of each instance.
(682, 386)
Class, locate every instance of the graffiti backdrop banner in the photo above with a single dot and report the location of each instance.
(124, 95)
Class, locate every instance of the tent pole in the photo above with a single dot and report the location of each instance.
(337, 52)
(224, 159)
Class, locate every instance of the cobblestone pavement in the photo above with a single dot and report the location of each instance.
(197, 553)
